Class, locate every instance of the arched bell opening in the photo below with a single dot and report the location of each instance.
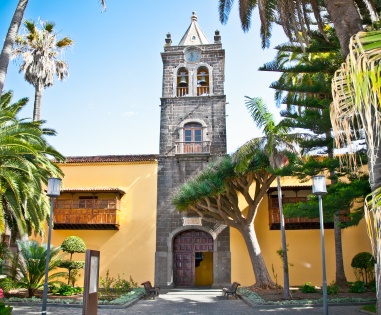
(203, 84)
(182, 82)
(193, 259)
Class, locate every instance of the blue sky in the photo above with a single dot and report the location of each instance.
(110, 102)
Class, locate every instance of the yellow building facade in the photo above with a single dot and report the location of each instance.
(94, 186)
(122, 205)
(110, 203)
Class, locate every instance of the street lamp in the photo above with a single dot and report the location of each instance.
(54, 185)
(319, 189)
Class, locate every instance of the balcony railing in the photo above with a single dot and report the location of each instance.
(298, 222)
(182, 91)
(183, 147)
(202, 90)
(86, 214)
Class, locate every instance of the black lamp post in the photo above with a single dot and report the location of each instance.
(54, 185)
(319, 189)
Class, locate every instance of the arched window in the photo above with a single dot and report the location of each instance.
(193, 138)
(182, 82)
(202, 81)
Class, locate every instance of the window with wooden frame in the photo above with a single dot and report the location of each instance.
(192, 138)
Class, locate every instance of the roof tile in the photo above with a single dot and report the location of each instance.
(111, 158)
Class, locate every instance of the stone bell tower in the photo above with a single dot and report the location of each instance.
(189, 251)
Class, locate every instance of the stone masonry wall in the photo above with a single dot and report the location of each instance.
(174, 169)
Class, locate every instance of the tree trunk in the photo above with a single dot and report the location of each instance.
(341, 279)
(346, 20)
(374, 166)
(37, 103)
(261, 273)
(286, 282)
(10, 40)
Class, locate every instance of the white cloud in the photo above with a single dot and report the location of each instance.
(129, 114)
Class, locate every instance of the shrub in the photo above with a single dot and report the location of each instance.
(308, 288)
(363, 266)
(357, 287)
(107, 282)
(122, 285)
(7, 284)
(111, 286)
(71, 245)
(67, 290)
(332, 288)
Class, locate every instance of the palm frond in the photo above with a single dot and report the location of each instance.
(224, 8)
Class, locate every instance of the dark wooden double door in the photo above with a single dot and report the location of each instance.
(186, 245)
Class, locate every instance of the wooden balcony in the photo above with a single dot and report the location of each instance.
(298, 223)
(86, 214)
(200, 147)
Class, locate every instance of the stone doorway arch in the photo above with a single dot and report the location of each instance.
(193, 258)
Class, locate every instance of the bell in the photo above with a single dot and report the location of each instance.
(183, 79)
(202, 81)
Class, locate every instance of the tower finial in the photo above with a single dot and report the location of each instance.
(194, 16)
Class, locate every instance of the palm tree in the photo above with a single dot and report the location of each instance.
(39, 50)
(11, 38)
(30, 267)
(356, 105)
(305, 88)
(294, 16)
(25, 159)
(276, 140)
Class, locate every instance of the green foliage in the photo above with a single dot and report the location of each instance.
(73, 268)
(370, 308)
(275, 275)
(111, 286)
(5, 310)
(209, 182)
(30, 268)
(27, 163)
(67, 290)
(107, 282)
(73, 244)
(67, 264)
(332, 288)
(7, 284)
(357, 287)
(280, 255)
(122, 285)
(308, 288)
(363, 266)
(341, 196)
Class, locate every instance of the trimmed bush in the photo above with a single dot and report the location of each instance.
(363, 267)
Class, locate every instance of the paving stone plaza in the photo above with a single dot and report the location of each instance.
(193, 301)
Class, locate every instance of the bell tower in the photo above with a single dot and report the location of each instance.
(192, 134)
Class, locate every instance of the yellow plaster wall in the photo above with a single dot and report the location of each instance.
(131, 249)
(304, 252)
